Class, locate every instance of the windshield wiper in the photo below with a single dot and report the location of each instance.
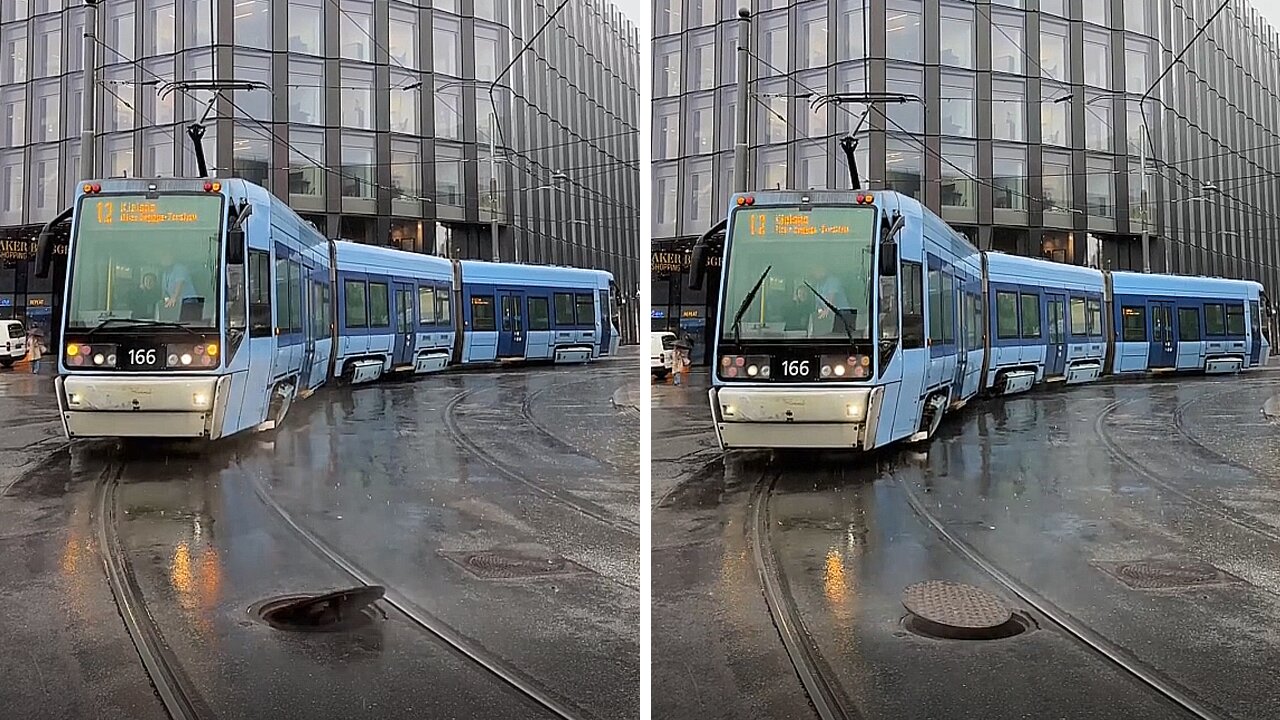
(145, 323)
(746, 303)
(834, 312)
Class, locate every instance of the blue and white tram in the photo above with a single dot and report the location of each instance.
(203, 308)
(858, 319)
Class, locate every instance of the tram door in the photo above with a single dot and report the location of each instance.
(404, 346)
(309, 306)
(1163, 351)
(1055, 362)
(511, 332)
(1255, 334)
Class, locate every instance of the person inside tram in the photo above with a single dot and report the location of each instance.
(178, 288)
(145, 298)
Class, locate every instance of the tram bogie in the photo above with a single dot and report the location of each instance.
(838, 300)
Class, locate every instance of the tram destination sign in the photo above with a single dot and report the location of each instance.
(834, 222)
(177, 210)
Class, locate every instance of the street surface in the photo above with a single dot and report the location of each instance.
(1133, 527)
(500, 510)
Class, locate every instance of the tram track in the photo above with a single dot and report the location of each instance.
(177, 694)
(430, 625)
(1213, 507)
(526, 412)
(818, 681)
(1096, 643)
(580, 504)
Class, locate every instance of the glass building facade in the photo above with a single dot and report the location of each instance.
(1024, 132)
(377, 126)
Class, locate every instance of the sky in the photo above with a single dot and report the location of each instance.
(641, 13)
(1270, 9)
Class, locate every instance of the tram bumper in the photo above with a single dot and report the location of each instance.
(142, 406)
(796, 417)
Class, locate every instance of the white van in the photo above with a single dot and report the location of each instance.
(13, 342)
(661, 355)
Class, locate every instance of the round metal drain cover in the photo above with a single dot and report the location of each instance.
(1166, 574)
(495, 564)
(956, 605)
(329, 612)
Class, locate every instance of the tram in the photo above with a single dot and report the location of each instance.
(860, 319)
(204, 308)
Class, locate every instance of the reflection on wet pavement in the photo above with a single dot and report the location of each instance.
(376, 473)
(1052, 491)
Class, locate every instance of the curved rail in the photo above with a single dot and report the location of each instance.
(424, 620)
(1120, 657)
(786, 618)
(582, 505)
(179, 698)
(526, 412)
(1213, 507)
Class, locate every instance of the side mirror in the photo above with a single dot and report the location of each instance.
(696, 268)
(235, 246)
(889, 259)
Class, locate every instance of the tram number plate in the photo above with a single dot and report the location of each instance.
(141, 358)
(797, 369)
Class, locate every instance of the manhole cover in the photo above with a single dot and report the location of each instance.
(509, 564)
(1164, 574)
(955, 605)
(329, 612)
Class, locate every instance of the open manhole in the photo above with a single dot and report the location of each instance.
(1165, 574)
(331, 612)
(955, 611)
(512, 563)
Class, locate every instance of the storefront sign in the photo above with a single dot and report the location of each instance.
(658, 314)
(690, 314)
(6, 302)
(676, 262)
(24, 250)
(37, 302)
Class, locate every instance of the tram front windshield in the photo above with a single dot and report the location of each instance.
(814, 270)
(146, 260)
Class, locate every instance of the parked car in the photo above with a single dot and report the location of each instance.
(660, 353)
(13, 342)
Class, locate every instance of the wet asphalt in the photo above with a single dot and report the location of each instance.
(1064, 494)
(501, 508)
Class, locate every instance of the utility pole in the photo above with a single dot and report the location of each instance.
(1146, 202)
(87, 133)
(493, 183)
(744, 67)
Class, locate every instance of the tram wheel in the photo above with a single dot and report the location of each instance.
(931, 417)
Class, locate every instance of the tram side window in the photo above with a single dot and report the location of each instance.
(379, 309)
(935, 306)
(482, 317)
(1078, 323)
(1133, 324)
(586, 310)
(295, 297)
(912, 305)
(1095, 317)
(1006, 315)
(1214, 323)
(443, 315)
(948, 309)
(426, 305)
(357, 309)
(975, 329)
(1188, 325)
(539, 314)
(1235, 319)
(564, 309)
(1031, 317)
(284, 300)
(259, 294)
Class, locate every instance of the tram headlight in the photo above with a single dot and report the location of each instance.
(198, 355)
(200, 401)
(97, 355)
(845, 367)
(745, 366)
(856, 410)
